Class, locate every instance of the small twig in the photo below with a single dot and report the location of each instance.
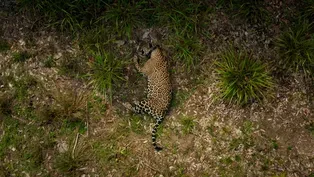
(149, 166)
(75, 144)
(3, 132)
(87, 128)
(87, 120)
(22, 120)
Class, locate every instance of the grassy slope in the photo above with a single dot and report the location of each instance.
(58, 97)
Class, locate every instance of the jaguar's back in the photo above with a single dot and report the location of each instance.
(159, 87)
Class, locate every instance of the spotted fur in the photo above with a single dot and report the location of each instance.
(158, 90)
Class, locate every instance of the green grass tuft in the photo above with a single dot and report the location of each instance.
(49, 62)
(4, 46)
(73, 66)
(179, 97)
(72, 104)
(242, 78)
(6, 105)
(47, 115)
(254, 12)
(105, 71)
(97, 39)
(70, 161)
(180, 15)
(22, 86)
(105, 152)
(274, 144)
(136, 123)
(186, 21)
(33, 155)
(188, 49)
(188, 125)
(296, 48)
(66, 163)
(124, 16)
(310, 128)
(74, 16)
(66, 15)
(308, 9)
(20, 56)
(11, 139)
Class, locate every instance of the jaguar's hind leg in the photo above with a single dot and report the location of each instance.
(141, 107)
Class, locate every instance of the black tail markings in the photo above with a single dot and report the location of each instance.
(141, 107)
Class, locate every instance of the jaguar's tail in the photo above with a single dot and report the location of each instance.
(154, 133)
(141, 107)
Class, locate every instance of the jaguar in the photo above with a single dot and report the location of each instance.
(158, 90)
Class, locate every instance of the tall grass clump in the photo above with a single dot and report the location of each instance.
(4, 46)
(185, 21)
(188, 49)
(242, 78)
(73, 66)
(6, 105)
(254, 12)
(296, 48)
(105, 71)
(20, 56)
(66, 15)
(97, 38)
(72, 160)
(179, 15)
(187, 124)
(308, 9)
(71, 102)
(124, 16)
